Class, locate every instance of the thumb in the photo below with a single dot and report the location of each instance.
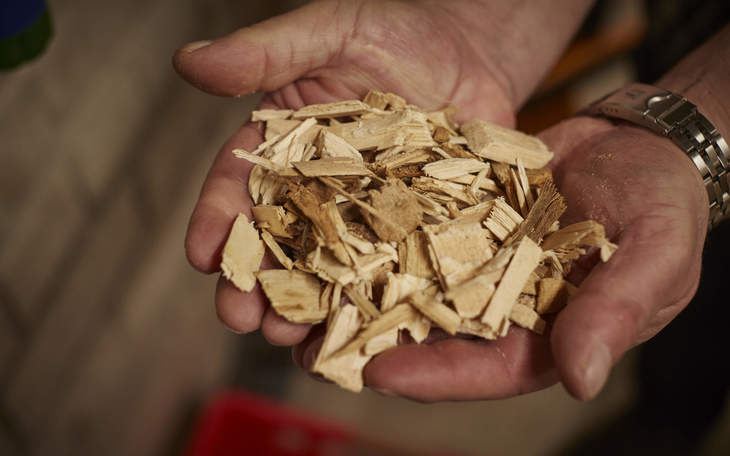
(270, 54)
(623, 302)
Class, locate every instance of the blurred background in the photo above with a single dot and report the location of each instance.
(109, 343)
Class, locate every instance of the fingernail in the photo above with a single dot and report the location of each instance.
(384, 391)
(194, 46)
(234, 331)
(596, 373)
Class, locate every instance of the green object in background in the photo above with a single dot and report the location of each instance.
(25, 31)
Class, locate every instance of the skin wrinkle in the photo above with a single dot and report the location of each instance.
(463, 38)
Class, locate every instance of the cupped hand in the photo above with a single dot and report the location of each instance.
(327, 51)
(652, 202)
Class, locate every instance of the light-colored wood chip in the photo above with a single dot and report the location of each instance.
(526, 317)
(471, 297)
(525, 259)
(521, 200)
(337, 109)
(330, 145)
(413, 256)
(396, 204)
(436, 311)
(381, 342)
(365, 305)
(399, 287)
(442, 119)
(504, 145)
(274, 219)
(589, 233)
(242, 254)
(552, 295)
(324, 263)
(503, 220)
(264, 162)
(458, 250)
(450, 168)
(293, 294)
(270, 114)
(402, 313)
(335, 166)
(382, 101)
(278, 128)
(343, 369)
(477, 328)
(386, 131)
(548, 208)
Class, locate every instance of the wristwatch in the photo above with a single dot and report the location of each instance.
(671, 115)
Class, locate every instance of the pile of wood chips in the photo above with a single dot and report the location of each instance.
(387, 219)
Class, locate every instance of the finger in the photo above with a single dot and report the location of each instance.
(459, 369)
(239, 312)
(279, 331)
(304, 353)
(224, 195)
(649, 279)
(270, 54)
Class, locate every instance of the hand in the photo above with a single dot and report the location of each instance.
(430, 52)
(652, 202)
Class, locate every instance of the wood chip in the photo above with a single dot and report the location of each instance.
(344, 369)
(589, 233)
(338, 109)
(524, 316)
(548, 208)
(436, 311)
(504, 145)
(293, 294)
(399, 287)
(242, 254)
(413, 256)
(274, 219)
(402, 313)
(270, 114)
(388, 221)
(454, 167)
(335, 166)
(396, 204)
(277, 128)
(470, 298)
(330, 145)
(458, 249)
(503, 220)
(552, 295)
(365, 305)
(380, 100)
(525, 259)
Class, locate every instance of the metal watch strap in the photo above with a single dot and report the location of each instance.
(671, 115)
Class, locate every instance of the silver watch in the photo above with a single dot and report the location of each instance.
(671, 115)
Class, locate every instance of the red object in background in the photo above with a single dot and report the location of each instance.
(242, 424)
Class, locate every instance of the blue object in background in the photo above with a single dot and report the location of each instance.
(25, 30)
